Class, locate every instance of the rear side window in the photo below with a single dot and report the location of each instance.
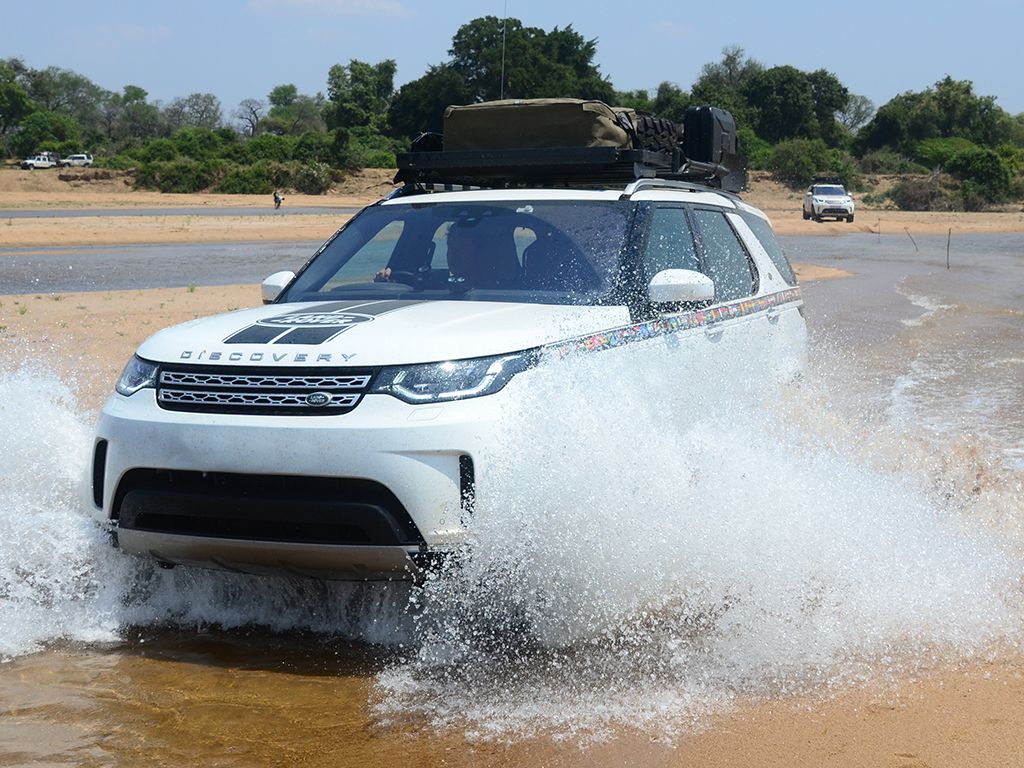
(728, 264)
(670, 243)
(763, 231)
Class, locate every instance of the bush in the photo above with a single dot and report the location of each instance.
(246, 180)
(175, 176)
(313, 147)
(313, 178)
(936, 153)
(796, 162)
(156, 151)
(983, 168)
(887, 161)
(376, 158)
(919, 195)
(757, 150)
(117, 162)
(197, 143)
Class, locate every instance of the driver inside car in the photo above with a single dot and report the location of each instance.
(481, 254)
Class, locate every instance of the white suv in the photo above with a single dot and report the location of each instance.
(77, 161)
(829, 200)
(342, 430)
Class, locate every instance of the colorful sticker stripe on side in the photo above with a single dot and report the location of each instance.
(663, 326)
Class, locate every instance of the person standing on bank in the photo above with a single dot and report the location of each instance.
(278, 199)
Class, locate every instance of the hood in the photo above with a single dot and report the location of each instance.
(374, 333)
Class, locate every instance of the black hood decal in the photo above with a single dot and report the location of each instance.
(314, 325)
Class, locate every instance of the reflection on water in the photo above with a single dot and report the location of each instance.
(655, 550)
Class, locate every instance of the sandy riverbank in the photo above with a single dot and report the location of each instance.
(40, 190)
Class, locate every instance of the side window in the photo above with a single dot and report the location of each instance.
(766, 237)
(670, 243)
(728, 264)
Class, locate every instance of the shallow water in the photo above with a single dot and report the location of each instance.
(667, 541)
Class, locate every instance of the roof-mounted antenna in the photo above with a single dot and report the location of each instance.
(504, 24)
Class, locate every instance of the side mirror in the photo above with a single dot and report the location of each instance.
(274, 284)
(675, 286)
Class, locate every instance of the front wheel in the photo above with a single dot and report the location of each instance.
(849, 219)
(806, 215)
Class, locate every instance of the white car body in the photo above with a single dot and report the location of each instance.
(38, 161)
(77, 161)
(376, 490)
(828, 201)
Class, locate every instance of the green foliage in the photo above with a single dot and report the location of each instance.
(157, 150)
(757, 150)
(936, 153)
(41, 127)
(983, 173)
(797, 161)
(948, 109)
(184, 175)
(313, 178)
(419, 105)
(781, 101)
(247, 180)
(887, 161)
(313, 147)
(724, 84)
(197, 143)
(537, 63)
(359, 94)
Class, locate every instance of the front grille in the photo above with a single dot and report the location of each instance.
(279, 508)
(261, 391)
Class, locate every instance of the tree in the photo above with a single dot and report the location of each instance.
(283, 96)
(43, 127)
(15, 105)
(723, 84)
(419, 105)
(197, 110)
(136, 118)
(359, 94)
(499, 59)
(829, 97)
(782, 104)
(302, 115)
(249, 113)
(858, 111)
(670, 101)
(948, 109)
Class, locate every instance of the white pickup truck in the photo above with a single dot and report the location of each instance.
(38, 161)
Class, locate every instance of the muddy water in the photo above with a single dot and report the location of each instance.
(683, 541)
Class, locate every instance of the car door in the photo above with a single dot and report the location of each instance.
(732, 318)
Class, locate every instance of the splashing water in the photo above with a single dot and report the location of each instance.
(652, 552)
(663, 541)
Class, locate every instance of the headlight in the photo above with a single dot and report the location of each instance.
(453, 380)
(138, 374)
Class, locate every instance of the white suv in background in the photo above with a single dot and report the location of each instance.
(77, 161)
(828, 200)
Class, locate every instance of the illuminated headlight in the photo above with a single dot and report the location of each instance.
(138, 374)
(453, 380)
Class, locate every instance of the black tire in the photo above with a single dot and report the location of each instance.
(656, 134)
(849, 219)
(806, 215)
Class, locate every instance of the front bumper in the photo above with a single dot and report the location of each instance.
(366, 494)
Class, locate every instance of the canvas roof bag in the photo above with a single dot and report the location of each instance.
(535, 123)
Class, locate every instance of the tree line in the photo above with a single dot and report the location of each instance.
(796, 124)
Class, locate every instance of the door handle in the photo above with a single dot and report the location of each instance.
(713, 332)
(772, 314)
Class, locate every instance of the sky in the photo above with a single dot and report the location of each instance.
(238, 49)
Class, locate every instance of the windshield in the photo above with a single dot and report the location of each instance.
(829, 190)
(542, 252)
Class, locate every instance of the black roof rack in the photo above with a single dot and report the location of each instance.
(559, 166)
